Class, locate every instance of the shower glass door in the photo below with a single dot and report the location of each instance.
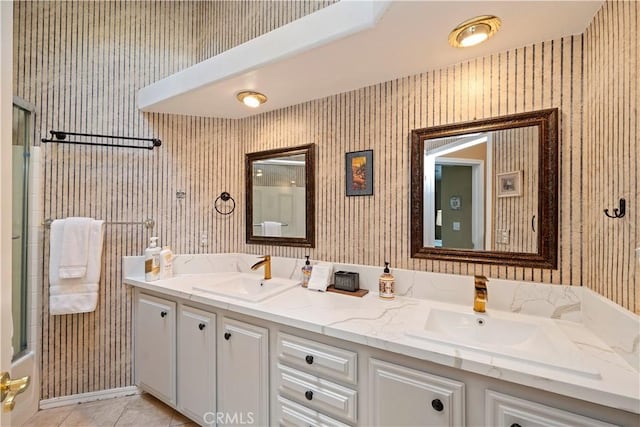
(20, 226)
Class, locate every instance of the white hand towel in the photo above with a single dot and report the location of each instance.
(320, 276)
(271, 228)
(75, 295)
(74, 249)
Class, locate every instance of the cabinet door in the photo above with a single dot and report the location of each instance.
(155, 350)
(502, 410)
(243, 373)
(401, 396)
(196, 363)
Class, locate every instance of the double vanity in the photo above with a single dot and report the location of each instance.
(223, 345)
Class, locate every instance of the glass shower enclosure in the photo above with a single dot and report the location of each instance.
(20, 225)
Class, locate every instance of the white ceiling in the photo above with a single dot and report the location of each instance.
(353, 44)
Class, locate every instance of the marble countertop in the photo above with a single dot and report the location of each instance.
(382, 324)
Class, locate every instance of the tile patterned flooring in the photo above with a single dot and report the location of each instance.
(139, 411)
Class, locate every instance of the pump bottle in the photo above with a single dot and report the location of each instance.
(386, 284)
(152, 261)
(306, 272)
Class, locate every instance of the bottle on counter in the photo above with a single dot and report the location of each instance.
(306, 272)
(152, 261)
(166, 263)
(386, 283)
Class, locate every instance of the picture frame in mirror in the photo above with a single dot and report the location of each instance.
(509, 184)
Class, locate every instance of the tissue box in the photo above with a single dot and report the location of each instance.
(346, 281)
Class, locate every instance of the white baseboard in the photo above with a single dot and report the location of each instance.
(89, 397)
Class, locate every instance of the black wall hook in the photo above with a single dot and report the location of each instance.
(618, 212)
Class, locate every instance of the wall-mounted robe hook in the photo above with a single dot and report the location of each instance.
(618, 212)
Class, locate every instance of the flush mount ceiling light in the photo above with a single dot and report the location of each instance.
(251, 99)
(474, 31)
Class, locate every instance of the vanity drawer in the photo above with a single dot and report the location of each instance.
(291, 414)
(318, 393)
(320, 359)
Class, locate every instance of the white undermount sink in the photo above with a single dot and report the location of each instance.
(246, 286)
(533, 340)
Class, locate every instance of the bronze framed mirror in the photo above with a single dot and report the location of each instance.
(486, 191)
(280, 196)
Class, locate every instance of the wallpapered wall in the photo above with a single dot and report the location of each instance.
(82, 63)
(610, 162)
(516, 150)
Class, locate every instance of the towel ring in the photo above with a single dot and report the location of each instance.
(221, 200)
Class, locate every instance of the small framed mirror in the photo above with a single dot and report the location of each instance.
(280, 191)
(487, 191)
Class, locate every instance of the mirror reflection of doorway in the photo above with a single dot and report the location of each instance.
(457, 194)
(459, 203)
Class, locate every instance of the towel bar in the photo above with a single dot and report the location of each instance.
(148, 223)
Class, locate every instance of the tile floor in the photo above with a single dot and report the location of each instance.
(139, 410)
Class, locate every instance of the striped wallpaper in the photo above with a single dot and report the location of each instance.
(517, 150)
(610, 154)
(82, 63)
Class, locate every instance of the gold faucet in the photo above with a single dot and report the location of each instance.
(481, 294)
(266, 261)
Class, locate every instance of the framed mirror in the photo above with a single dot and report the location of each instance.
(280, 191)
(487, 191)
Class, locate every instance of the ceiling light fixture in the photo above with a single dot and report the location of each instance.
(251, 99)
(474, 31)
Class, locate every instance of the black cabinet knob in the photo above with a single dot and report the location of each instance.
(309, 359)
(163, 314)
(437, 405)
(201, 326)
(227, 335)
(515, 425)
(308, 394)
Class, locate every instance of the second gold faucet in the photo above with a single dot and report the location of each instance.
(481, 294)
(266, 262)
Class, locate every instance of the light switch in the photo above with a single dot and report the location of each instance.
(456, 226)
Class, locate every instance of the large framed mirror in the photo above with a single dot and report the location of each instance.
(486, 191)
(280, 192)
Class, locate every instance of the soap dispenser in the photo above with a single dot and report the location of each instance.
(306, 272)
(386, 283)
(152, 261)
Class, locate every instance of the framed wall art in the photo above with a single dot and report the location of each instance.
(359, 173)
(509, 184)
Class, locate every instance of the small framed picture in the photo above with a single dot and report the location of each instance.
(455, 203)
(359, 173)
(509, 184)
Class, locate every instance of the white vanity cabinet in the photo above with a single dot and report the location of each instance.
(243, 379)
(503, 410)
(196, 355)
(400, 396)
(192, 355)
(155, 347)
